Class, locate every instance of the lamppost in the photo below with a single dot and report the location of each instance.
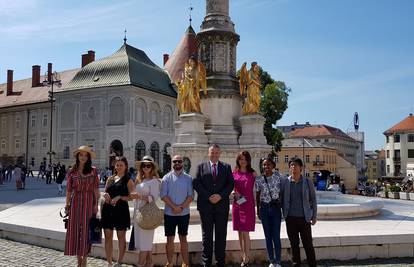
(51, 78)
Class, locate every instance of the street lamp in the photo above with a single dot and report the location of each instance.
(51, 78)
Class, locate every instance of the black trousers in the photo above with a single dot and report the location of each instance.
(214, 222)
(294, 227)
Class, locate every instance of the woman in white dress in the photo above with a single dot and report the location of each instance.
(148, 190)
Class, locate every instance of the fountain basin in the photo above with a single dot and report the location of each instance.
(335, 205)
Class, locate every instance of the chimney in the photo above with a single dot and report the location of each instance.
(91, 54)
(84, 60)
(49, 72)
(166, 57)
(35, 75)
(9, 82)
(88, 58)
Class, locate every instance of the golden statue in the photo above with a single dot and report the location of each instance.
(194, 79)
(250, 89)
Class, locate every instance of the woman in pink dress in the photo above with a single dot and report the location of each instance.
(81, 203)
(243, 209)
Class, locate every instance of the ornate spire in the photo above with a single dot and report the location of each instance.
(190, 11)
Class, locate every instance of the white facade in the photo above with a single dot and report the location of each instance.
(399, 153)
(135, 117)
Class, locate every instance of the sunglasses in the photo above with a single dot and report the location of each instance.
(177, 161)
(147, 166)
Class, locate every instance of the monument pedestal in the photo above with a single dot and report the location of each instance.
(252, 131)
(190, 129)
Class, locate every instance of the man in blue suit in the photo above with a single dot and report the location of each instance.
(213, 183)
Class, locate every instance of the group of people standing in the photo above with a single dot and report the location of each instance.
(216, 184)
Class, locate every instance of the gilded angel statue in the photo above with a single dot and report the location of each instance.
(194, 79)
(250, 88)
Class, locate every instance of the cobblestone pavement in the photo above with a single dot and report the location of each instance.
(23, 255)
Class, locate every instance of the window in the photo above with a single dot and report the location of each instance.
(387, 139)
(155, 115)
(411, 153)
(167, 117)
(307, 158)
(307, 174)
(388, 154)
(66, 153)
(44, 120)
(116, 112)
(326, 140)
(374, 170)
(32, 143)
(317, 158)
(166, 158)
(374, 163)
(67, 116)
(410, 138)
(277, 159)
(141, 112)
(44, 142)
(286, 158)
(3, 123)
(18, 123)
(396, 138)
(3, 144)
(155, 152)
(17, 144)
(139, 150)
(33, 121)
(388, 168)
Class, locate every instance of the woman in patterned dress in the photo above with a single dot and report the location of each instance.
(243, 211)
(147, 190)
(81, 203)
(268, 201)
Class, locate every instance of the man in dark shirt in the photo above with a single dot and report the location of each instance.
(299, 210)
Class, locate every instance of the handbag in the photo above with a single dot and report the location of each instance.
(95, 231)
(65, 216)
(149, 216)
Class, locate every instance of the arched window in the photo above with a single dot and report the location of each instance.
(155, 115)
(167, 117)
(166, 158)
(67, 116)
(140, 111)
(155, 152)
(116, 112)
(139, 150)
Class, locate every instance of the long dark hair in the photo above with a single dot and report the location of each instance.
(88, 165)
(125, 161)
(248, 158)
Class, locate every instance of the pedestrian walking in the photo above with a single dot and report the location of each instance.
(299, 211)
(60, 178)
(214, 183)
(177, 194)
(243, 208)
(81, 203)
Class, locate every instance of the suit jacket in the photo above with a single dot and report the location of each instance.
(205, 187)
(310, 206)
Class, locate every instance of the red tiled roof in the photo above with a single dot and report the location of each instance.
(320, 131)
(406, 125)
(183, 51)
(29, 94)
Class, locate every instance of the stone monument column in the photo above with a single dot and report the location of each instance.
(217, 41)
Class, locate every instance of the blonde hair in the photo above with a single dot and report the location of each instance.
(140, 174)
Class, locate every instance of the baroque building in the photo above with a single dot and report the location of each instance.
(123, 104)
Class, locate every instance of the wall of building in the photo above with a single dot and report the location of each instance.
(348, 173)
(394, 163)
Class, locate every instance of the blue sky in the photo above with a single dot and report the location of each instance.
(337, 56)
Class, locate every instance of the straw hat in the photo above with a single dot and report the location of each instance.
(147, 159)
(86, 149)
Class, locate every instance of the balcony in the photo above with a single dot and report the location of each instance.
(318, 163)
